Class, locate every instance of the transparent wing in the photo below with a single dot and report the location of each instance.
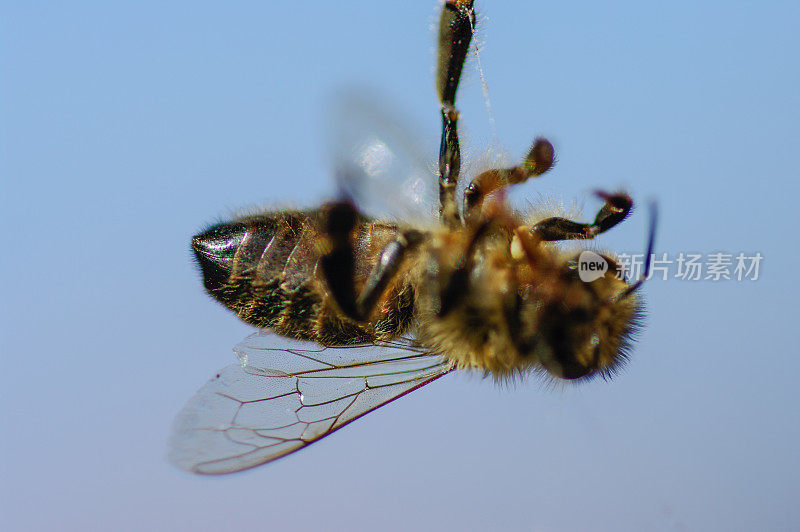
(285, 394)
(379, 164)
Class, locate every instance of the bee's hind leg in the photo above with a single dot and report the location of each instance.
(338, 264)
(389, 263)
(456, 27)
(616, 208)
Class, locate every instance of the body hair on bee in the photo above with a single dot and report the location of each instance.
(373, 307)
(485, 287)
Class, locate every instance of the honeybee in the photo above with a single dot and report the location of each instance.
(356, 311)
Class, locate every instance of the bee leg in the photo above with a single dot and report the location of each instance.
(456, 27)
(539, 160)
(456, 286)
(391, 259)
(449, 168)
(338, 264)
(616, 208)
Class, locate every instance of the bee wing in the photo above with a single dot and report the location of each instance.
(378, 163)
(285, 394)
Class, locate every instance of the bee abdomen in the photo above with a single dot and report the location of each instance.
(264, 268)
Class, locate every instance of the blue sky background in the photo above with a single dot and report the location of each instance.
(126, 127)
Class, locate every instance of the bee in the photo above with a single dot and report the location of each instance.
(357, 311)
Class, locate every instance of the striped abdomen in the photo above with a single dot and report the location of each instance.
(265, 268)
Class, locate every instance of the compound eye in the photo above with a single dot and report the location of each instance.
(573, 364)
(566, 366)
(572, 348)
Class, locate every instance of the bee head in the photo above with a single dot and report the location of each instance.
(586, 330)
(576, 317)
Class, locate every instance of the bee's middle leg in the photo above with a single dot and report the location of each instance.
(456, 286)
(539, 160)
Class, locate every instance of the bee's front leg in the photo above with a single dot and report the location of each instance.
(616, 208)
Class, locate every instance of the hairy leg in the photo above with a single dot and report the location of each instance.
(616, 208)
(539, 160)
(338, 264)
(456, 27)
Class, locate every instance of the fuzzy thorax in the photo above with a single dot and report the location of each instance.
(513, 316)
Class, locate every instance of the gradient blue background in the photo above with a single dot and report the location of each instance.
(125, 127)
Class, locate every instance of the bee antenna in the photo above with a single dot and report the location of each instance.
(651, 241)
